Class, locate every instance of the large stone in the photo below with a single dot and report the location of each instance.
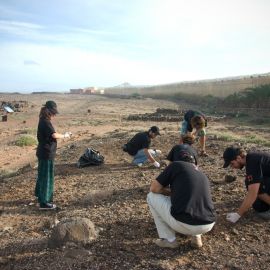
(75, 230)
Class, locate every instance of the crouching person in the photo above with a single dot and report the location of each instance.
(180, 201)
(138, 147)
(257, 181)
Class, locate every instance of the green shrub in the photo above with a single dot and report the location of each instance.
(26, 140)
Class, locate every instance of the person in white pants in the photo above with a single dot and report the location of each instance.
(180, 201)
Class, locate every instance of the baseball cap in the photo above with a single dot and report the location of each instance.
(230, 154)
(155, 130)
(52, 106)
(186, 156)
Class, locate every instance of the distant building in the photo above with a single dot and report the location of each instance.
(76, 91)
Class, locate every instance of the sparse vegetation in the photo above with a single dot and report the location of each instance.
(26, 140)
(230, 137)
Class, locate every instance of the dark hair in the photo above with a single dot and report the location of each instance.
(45, 113)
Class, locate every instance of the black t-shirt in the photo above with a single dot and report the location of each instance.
(257, 168)
(46, 143)
(190, 114)
(191, 198)
(175, 152)
(139, 141)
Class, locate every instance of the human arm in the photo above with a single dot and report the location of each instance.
(202, 144)
(246, 204)
(249, 199)
(150, 157)
(156, 187)
(56, 135)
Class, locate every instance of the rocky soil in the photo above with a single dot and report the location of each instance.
(113, 196)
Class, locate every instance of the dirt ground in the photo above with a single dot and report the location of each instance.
(113, 196)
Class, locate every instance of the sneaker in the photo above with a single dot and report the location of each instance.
(196, 241)
(139, 164)
(264, 215)
(164, 243)
(158, 152)
(47, 206)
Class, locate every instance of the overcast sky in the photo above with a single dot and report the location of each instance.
(55, 45)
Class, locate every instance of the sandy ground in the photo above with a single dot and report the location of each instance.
(126, 229)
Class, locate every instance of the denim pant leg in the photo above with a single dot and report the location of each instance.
(183, 129)
(140, 157)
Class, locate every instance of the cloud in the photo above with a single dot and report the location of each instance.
(30, 63)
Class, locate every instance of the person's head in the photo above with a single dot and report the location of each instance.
(186, 157)
(235, 157)
(187, 139)
(153, 132)
(198, 122)
(48, 110)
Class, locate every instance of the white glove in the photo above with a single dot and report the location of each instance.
(156, 164)
(233, 217)
(67, 134)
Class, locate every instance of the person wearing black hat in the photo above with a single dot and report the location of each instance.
(185, 145)
(46, 150)
(257, 181)
(180, 201)
(138, 147)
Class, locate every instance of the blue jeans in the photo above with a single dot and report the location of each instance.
(140, 157)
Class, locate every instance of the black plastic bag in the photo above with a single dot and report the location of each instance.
(89, 158)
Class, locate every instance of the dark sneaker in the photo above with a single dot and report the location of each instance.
(47, 206)
(164, 243)
(264, 215)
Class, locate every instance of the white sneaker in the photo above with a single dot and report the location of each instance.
(158, 152)
(139, 164)
(164, 243)
(196, 241)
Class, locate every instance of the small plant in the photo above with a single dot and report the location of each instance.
(26, 140)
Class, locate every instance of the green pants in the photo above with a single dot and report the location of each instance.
(45, 181)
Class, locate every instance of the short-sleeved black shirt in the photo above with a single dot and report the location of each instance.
(139, 141)
(189, 115)
(46, 143)
(257, 168)
(191, 198)
(175, 151)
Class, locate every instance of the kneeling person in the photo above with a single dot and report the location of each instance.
(138, 147)
(180, 201)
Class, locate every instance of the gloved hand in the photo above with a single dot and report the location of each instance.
(156, 164)
(233, 217)
(67, 134)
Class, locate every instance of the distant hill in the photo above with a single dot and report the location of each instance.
(221, 87)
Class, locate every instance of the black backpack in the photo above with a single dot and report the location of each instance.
(90, 157)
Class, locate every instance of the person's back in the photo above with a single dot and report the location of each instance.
(139, 141)
(258, 165)
(190, 193)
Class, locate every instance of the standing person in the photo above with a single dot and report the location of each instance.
(257, 180)
(185, 145)
(138, 147)
(46, 150)
(195, 123)
(180, 201)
